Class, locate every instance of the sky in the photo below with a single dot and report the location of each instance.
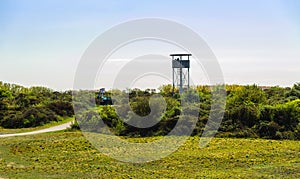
(255, 41)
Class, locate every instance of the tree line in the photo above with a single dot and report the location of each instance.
(250, 111)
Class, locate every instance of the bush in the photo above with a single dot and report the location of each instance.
(61, 108)
(269, 130)
(32, 117)
(75, 126)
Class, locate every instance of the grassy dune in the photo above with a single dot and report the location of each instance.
(70, 155)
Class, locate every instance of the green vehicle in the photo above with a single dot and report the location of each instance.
(103, 99)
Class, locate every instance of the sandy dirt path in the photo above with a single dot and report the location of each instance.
(50, 129)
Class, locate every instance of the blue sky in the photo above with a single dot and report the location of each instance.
(255, 41)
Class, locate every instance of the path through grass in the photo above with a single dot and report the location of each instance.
(51, 124)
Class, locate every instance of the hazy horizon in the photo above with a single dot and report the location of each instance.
(143, 88)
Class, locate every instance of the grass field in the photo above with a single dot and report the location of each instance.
(70, 155)
(51, 124)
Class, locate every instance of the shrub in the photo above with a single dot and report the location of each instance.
(61, 108)
(32, 117)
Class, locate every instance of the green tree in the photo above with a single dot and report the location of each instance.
(294, 93)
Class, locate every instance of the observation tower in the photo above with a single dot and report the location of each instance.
(181, 71)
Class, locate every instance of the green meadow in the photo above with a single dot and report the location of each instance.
(70, 155)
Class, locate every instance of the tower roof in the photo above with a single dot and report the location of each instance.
(180, 55)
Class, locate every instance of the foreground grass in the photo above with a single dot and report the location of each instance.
(51, 124)
(70, 155)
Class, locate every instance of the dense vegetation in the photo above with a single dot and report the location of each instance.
(71, 155)
(251, 111)
(22, 107)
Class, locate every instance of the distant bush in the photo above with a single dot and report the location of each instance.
(29, 107)
(61, 108)
(32, 117)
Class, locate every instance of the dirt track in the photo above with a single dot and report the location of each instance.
(50, 129)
